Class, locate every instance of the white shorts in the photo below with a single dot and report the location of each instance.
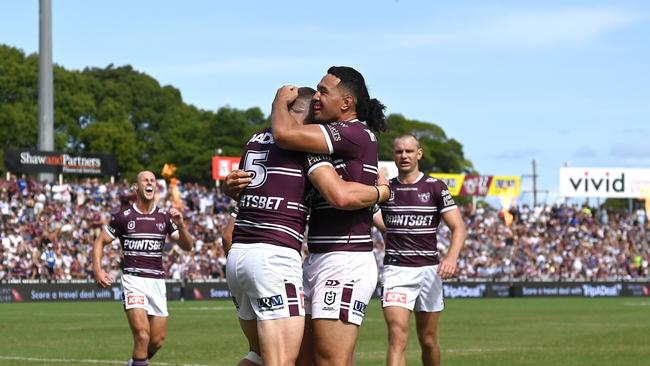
(339, 285)
(145, 293)
(265, 281)
(413, 288)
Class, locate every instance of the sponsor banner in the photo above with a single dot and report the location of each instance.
(605, 182)
(572, 289)
(636, 289)
(32, 161)
(223, 165)
(206, 291)
(481, 185)
(453, 290)
(88, 291)
(84, 291)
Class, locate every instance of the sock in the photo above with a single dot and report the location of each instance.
(140, 362)
(129, 362)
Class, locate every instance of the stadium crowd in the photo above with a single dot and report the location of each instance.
(47, 230)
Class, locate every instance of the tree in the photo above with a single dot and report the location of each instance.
(126, 112)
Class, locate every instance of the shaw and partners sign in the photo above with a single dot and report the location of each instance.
(605, 182)
(31, 161)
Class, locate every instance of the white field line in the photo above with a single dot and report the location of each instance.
(96, 362)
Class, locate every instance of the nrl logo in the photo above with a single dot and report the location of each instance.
(160, 226)
(424, 197)
(330, 297)
(131, 225)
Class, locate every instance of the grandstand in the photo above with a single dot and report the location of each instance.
(47, 230)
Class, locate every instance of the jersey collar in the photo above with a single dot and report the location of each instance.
(417, 180)
(153, 209)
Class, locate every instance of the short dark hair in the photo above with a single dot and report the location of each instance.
(369, 110)
(305, 94)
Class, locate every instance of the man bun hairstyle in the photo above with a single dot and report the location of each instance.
(369, 110)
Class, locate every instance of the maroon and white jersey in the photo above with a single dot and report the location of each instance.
(273, 208)
(353, 148)
(142, 235)
(412, 219)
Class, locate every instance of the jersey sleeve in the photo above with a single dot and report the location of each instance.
(171, 227)
(314, 161)
(114, 227)
(344, 140)
(443, 199)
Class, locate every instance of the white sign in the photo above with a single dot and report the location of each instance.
(605, 182)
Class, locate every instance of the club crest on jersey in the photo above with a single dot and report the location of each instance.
(160, 226)
(330, 297)
(425, 196)
(131, 225)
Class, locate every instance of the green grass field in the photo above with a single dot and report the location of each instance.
(559, 331)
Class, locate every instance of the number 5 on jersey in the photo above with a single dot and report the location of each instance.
(254, 163)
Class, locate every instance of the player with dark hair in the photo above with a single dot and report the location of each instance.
(340, 273)
(413, 272)
(142, 230)
(264, 268)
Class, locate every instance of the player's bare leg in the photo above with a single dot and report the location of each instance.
(306, 355)
(249, 327)
(334, 342)
(139, 324)
(157, 333)
(427, 329)
(280, 340)
(397, 320)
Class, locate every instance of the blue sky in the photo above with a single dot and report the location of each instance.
(555, 81)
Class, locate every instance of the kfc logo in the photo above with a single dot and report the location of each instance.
(134, 300)
(396, 297)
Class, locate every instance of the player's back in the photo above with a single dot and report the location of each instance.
(273, 209)
(354, 155)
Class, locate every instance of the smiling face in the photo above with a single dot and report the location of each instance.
(145, 187)
(406, 153)
(329, 100)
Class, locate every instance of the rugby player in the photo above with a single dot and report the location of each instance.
(142, 230)
(340, 273)
(264, 268)
(413, 272)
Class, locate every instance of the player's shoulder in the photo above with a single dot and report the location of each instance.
(124, 212)
(435, 183)
(262, 137)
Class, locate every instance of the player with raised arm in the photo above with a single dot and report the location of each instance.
(264, 268)
(413, 272)
(340, 273)
(142, 230)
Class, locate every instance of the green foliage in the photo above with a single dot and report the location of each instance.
(122, 111)
(441, 154)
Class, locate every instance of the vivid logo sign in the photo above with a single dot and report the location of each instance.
(606, 183)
